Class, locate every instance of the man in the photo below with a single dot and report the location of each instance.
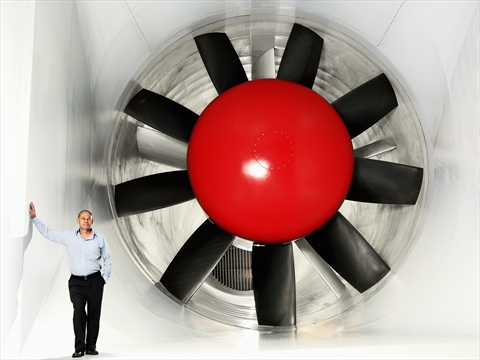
(86, 250)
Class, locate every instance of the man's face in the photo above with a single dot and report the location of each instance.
(85, 220)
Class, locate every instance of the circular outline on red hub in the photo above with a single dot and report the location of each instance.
(273, 150)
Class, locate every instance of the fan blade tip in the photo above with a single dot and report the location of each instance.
(366, 104)
(123, 210)
(220, 60)
(162, 114)
(388, 87)
(182, 297)
(382, 77)
(152, 192)
(342, 246)
(418, 186)
(299, 27)
(118, 207)
(301, 56)
(120, 212)
(383, 182)
(380, 276)
(274, 291)
(210, 35)
(195, 261)
(139, 97)
(417, 183)
(164, 286)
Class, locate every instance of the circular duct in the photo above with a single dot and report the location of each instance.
(153, 238)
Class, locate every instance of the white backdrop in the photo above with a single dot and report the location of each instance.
(65, 67)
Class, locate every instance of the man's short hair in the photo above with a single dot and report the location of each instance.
(80, 213)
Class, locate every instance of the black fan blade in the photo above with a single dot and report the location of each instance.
(195, 261)
(384, 182)
(152, 192)
(273, 271)
(367, 104)
(348, 253)
(221, 61)
(301, 56)
(162, 114)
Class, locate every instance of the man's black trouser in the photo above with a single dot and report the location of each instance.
(86, 291)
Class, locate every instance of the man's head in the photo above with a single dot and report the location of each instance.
(85, 219)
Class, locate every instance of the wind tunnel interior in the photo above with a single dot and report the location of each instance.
(89, 63)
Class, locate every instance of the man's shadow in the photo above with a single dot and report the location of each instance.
(13, 250)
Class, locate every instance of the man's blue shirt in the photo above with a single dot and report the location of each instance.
(84, 256)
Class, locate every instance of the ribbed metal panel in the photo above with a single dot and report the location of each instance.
(234, 270)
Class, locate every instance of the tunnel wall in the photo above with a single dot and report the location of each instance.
(84, 57)
(54, 129)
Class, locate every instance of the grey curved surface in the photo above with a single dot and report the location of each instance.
(180, 75)
(374, 149)
(160, 148)
(322, 268)
(264, 67)
(89, 55)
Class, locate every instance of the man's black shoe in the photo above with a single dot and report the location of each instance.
(92, 352)
(77, 354)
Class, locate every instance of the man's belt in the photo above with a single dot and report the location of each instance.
(87, 277)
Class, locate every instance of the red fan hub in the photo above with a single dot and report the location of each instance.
(270, 161)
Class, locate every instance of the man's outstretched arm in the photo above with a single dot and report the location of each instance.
(55, 236)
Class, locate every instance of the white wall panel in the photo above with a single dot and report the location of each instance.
(158, 20)
(17, 30)
(425, 81)
(86, 55)
(445, 24)
(370, 18)
(115, 49)
(17, 38)
(58, 178)
(80, 121)
(47, 151)
(99, 22)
